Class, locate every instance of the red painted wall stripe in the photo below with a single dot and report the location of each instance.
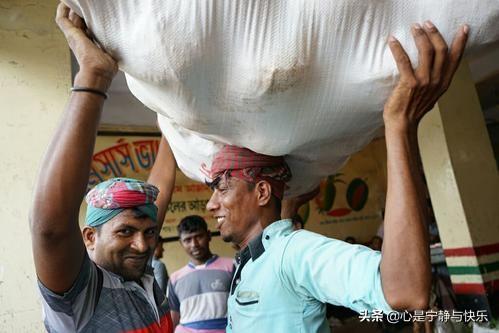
(472, 251)
(468, 288)
(476, 288)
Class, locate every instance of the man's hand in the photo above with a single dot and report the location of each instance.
(290, 206)
(418, 90)
(97, 68)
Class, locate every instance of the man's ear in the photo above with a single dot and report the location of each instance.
(89, 234)
(264, 192)
(209, 235)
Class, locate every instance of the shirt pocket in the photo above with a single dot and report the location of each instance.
(247, 298)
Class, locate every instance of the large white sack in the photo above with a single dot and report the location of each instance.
(298, 77)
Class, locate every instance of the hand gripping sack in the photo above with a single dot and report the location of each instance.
(302, 78)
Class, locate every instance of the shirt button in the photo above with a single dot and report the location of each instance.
(267, 237)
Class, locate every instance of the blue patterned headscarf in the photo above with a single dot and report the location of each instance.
(111, 197)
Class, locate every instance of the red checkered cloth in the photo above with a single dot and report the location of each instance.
(252, 167)
(121, 193)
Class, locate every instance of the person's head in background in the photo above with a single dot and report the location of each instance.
(351, 240)
(195, 238)
(159, 250)
(376, 243)
(297, 222)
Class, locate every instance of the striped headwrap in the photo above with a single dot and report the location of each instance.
(252, 167)
(111, 197)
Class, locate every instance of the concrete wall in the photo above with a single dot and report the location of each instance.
(34, 83)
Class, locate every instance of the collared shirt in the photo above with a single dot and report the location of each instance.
(285, 277)
(101, 301)
(199, 293)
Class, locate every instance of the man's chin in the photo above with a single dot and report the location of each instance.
(133, 273)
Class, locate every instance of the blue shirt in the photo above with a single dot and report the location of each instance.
(285, 277)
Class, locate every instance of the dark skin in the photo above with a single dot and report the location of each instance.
(162, 176)
(243, 213)
(197, 245)
(122, 244)
(158, 251)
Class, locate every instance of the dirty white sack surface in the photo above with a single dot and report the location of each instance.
(302, 78)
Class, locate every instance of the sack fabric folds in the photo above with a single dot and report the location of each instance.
(301, 78)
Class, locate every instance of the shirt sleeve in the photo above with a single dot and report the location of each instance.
(173, 301)
(79, 301)
(160, 274)
(333, 271)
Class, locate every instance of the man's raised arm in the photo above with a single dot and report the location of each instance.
(58, 247)
(163, 177)
(405, 263)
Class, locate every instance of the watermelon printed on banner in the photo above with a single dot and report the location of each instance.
(304, 212)
(327, 195)
(357, 194)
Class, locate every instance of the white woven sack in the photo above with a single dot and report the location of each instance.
(305, 78)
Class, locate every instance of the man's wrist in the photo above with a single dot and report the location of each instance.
(92, 80)
(400, 127)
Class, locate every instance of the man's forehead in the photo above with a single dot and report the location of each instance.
(129, 218)
(185, 235)
(230, 181)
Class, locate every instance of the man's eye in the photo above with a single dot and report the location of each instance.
(151, 232)
(125, 232)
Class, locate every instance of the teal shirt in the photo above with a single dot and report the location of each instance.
(285, 283)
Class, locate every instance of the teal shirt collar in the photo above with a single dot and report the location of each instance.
(256, 247)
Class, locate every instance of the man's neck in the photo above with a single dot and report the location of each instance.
(258, 228)
(202, 261)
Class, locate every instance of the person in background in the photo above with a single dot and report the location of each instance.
(297, 222)
(160, 272)
(198, 292)
(351, 240)
(290, 206)
(376, 243)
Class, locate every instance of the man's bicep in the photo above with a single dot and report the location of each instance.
(58, 258)
(335, 272)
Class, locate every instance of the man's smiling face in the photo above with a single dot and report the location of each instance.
(124, 244)
(235, 207)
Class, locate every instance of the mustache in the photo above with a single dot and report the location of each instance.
(134, 254)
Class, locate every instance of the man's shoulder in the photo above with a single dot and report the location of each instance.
(157, 263)
(300, 241)
(302, 235)
(180, 273)
(225, 263)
